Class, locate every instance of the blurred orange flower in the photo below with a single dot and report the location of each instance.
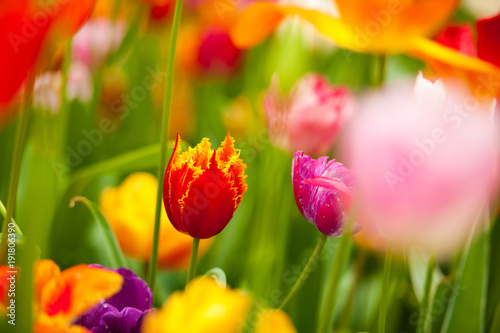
(369, 26)
(62, 297)
(130, 208)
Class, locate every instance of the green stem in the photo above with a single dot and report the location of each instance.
(326, 318)
(384, 300)
(307, 270)
(193, 260)
(15, 168)
(153, 264)
(424, 306)
(380, 62)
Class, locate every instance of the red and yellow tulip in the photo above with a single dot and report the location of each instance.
(203, 187)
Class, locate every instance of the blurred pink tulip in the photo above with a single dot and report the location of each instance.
(310, 117)
(47, 89)
(96, 40)
(425, 163)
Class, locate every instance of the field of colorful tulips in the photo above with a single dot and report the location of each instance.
(227, 166)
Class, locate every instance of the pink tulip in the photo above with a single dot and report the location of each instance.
(96, 40)
(425, 164)
(310, 117)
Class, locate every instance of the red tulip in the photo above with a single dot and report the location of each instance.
(203, 187)
(25, 26)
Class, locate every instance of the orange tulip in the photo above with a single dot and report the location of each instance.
(62, 297)
(369, 26)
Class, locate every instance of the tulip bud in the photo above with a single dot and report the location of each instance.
(203, 187)
(322, 192)
(310, 117)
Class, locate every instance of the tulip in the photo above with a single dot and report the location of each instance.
(274, 320)
(203, 307)
(208, 50)
(310, 117)
(483, 84)
(368, 26)
(203, 188)
(424, 163)
(62, 297)
(122, 312)
(25, 26)
(47, 88)
(323, 192)
(96, 40)
(130, 208)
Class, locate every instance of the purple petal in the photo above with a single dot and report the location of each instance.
(92, 318)
(119, 322)
(135, 292)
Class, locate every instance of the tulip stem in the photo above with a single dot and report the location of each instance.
(313, 259)
(326, 318)
(153, 263)
(380, 62)
(193, 260)
(424, 306)
(15, 168)
(382, 314)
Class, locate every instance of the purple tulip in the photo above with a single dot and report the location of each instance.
(323, 192)
(122, 312)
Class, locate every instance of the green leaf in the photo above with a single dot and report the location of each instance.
(493, 306)
(467, 308)
(3, 211)
(117, 258)
(417, 264)
(137, 159)
(219, 275)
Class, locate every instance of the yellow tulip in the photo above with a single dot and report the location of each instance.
(204, 307)
(274, 320)
(130, 209)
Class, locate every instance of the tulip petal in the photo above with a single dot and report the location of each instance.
(259, 20)
(333, 184)
(210, 202)
(488, 39)
(483, 77)
(20, 41)
(246, 33)
(77, 289)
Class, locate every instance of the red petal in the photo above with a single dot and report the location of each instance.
(210, 203)
(21, 39)
(171, 191)
(459, 38)
(488, 39)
